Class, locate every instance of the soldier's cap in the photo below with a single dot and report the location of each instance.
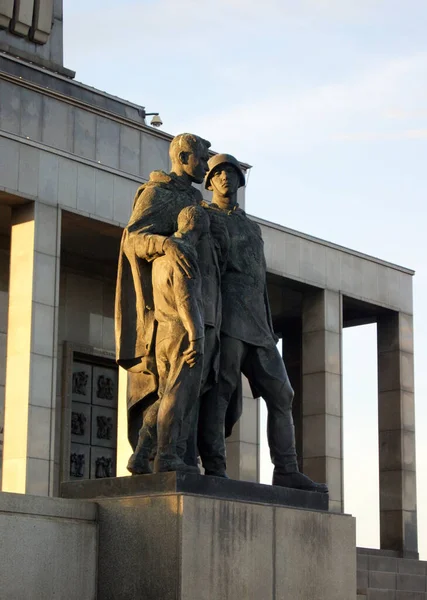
(223, 159)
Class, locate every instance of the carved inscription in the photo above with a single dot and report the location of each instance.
(105, 388)
(104, 429)
(78, 421)
(104, 467)
(77, 465)
(80, 379)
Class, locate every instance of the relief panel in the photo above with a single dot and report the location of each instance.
(89, 414)
(81, 382)
(104, 384)
(104, 427)
(102, 463)
(79, 462)
(80, 423)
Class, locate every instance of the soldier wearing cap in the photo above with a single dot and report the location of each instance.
(248, 342)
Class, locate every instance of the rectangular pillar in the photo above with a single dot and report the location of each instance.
(243, 444)
(42, 21)
(29, 425)
(6, 13)
(292, 357)
(396, 424)
(23, 17)
(322, 392)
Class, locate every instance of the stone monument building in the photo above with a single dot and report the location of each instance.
(71, 158)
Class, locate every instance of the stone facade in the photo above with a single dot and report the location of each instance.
(32, 30)
(49, 548)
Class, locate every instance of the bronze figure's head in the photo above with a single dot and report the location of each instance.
(225, 175)
(189, 155)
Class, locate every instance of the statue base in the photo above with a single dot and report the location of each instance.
(199, 485)
(189, 537)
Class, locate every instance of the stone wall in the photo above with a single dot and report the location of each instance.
(86, 318)
(86, 310)
(78, 130)
(48, 548)
(4, 285)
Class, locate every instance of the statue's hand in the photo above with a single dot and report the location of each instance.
(181, 254)
(194, 351)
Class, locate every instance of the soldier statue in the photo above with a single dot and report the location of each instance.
(248, 342)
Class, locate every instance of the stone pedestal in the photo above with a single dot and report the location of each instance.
(172, 544)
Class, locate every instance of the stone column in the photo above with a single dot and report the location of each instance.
(322, 392)
(291, 352)
(396, 424)
(243, 444)
(29, 428)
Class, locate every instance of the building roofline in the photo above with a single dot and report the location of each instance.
(331, 245)
(67, 80)
(137, 107)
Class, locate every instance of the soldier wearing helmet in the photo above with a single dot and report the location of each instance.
(248, 342)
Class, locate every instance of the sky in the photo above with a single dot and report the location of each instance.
(327, 100)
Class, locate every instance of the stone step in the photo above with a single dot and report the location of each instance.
(414, 567)
(362, 580)
(378, 594)
(369, 562)
(381, 595)
(386, 580)
(411, 583)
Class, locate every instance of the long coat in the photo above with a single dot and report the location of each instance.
(156, 208)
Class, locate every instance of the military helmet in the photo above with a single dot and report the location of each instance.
(221, 159)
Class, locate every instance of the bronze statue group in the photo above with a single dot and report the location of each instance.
(192, 315)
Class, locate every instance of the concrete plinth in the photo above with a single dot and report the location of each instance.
(200, 485)
(180, 545)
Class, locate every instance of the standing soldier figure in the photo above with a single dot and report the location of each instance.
(248, 342)
(149, 235)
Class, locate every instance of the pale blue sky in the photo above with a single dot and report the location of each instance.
(327, 99)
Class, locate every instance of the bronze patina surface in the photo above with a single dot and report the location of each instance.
(192, 315)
